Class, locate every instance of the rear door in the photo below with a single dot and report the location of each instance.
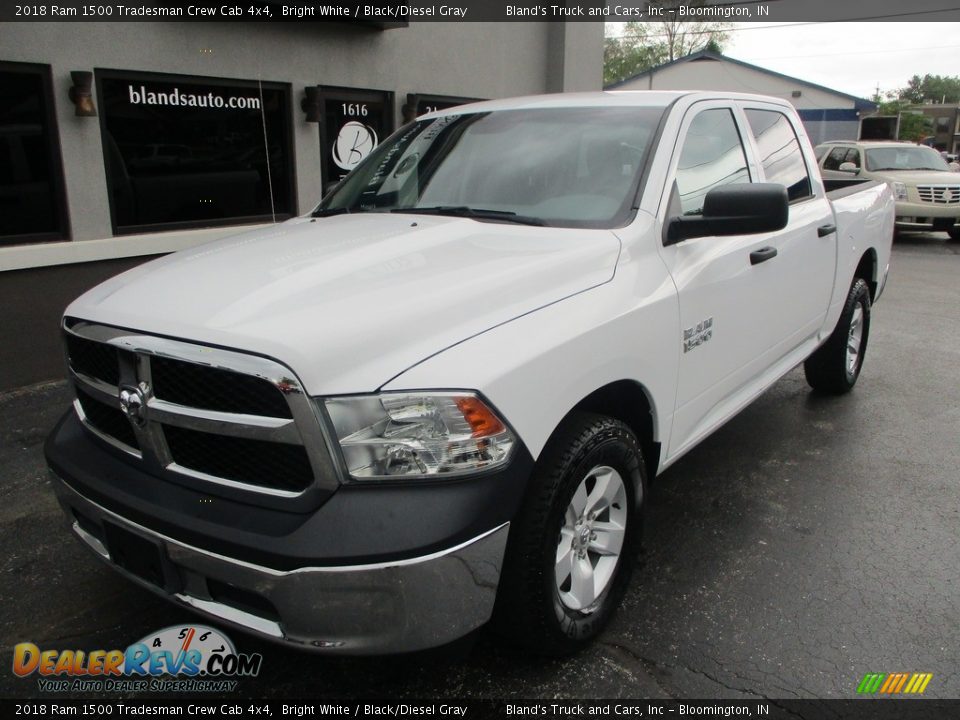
(806, 248)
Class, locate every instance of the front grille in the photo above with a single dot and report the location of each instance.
(254, 462)
(205, 413)
(108, 420)
(215, 389)
(939, 194)
(95, 359)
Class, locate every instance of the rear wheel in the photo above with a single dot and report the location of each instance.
(573, 544)
(836, 365)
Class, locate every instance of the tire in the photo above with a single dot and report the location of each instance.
(954, 232)
(593, 463)
(835, 366)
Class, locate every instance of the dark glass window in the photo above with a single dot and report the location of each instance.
(355, 122)
(780, 152)
(712, 156)
(31, 180)
(840, 155)
(195, 152)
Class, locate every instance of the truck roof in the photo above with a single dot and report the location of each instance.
(609, 98)
(867, 144)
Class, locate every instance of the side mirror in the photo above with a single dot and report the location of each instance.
(849, 167)
(740, 209)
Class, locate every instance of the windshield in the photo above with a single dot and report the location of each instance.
(900, 157)
(566, 167)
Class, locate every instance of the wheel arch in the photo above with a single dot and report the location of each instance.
(867, 270)
(630, 402)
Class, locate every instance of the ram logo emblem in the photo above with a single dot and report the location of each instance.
(698, 334)
(132, 403)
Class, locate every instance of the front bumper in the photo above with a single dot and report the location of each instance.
(387, 607)
(926, 216)
(374, 569)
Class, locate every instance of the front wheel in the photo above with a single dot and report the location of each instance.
(835, 366)
(572, 547)
(954, 232)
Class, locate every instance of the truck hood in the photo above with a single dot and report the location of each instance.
(350, 301)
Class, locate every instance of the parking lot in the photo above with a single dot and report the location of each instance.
(809, 541)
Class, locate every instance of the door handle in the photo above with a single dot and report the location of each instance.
(825, 230)
(762, 255)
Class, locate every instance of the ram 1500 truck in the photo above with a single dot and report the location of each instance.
(438, 398)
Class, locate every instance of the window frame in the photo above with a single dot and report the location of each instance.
(101, 74)
(54, 160)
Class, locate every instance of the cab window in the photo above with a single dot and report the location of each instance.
(780, 153)
(712, 156)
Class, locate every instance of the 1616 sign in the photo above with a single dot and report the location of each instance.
(354, 122)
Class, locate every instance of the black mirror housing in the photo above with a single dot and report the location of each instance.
(739, 209)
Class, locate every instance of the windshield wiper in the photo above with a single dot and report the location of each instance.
(475, 213)
(328, 212)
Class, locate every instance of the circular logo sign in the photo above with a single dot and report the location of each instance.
(354, 142)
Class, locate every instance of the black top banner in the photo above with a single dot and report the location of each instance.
(386, 14)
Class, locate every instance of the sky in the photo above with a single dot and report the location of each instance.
(851, 57)
(854, 58)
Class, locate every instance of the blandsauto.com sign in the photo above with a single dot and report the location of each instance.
(176, 98)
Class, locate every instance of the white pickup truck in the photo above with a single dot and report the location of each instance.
(437, 399)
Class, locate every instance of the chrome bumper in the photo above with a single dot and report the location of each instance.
(388, 607)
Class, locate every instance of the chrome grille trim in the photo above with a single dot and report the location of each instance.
(304, 427)
(103, 436)
(939, 194)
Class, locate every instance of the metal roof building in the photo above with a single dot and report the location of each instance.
(827, 114)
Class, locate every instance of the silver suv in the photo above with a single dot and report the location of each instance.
(926, 190)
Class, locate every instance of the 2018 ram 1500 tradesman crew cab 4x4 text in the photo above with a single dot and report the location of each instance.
(438, 398)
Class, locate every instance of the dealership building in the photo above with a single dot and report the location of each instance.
(827, 114)
(124, 141)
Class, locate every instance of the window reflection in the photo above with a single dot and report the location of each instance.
(780, 152)
(194, 152)
(712, 156)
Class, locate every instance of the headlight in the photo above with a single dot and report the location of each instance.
(418, 435)
(899, 191)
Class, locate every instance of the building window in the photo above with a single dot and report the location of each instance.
(195, 152)
(780, 153)
(32, 206)
(354, 122)
(420, 104)
(943, 124)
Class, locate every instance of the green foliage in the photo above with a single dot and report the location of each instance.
(643, 45)
(931, 88)
(913, 126)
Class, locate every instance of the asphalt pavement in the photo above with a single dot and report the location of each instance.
(809, 541)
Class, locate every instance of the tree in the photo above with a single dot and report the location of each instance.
(914, 126)
(644, 45)
(931, 88)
